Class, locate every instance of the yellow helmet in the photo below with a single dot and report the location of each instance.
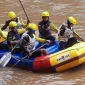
(11, 15)
(12, 24)
(45, 14)
(32, 26)
(72, 20)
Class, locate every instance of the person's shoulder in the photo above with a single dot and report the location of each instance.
(40, 22)
(63, 26)
(8, 21)
(26, 37)
(51, 22)
(25, 34)
(10, 33)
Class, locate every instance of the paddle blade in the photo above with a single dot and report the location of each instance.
(5, 59)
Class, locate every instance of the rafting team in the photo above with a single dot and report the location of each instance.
(26, 40)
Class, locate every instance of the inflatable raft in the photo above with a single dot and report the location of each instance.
(55, 61)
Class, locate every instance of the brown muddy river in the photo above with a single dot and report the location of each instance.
(59, 10)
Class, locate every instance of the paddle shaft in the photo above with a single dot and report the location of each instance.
(78, 36)
(24, 9)
(27, 55)
(15, 46)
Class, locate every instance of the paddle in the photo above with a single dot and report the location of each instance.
(24, 9)
(78, 36)
(6, 58)
(27, 55)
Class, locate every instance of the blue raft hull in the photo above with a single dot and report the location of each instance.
(28, 63)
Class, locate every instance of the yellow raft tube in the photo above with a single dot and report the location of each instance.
(68, 58)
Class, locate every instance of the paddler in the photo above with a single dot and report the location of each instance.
(28, 40)
(26, 43)
(67, 36)
(46, 26)
(13, 36)
(13, 17)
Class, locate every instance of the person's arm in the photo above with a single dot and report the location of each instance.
(5, 26)
(23, 45)
(53, 27)
(21, 31)
(39, 39)
(14, 42)
(3, 34)
(40, 26)
(61, 32)
(77, 36)
(9, 38)
(23, 24)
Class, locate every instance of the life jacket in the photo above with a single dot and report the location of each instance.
(15, 36)
(19, 25)
(44, 29)
(29, 45)
(12, 36)
(67, 34)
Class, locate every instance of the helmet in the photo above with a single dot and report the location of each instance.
(71, 20)
(32, 26)
(11, 15)
(12, 24)
(45, 14)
